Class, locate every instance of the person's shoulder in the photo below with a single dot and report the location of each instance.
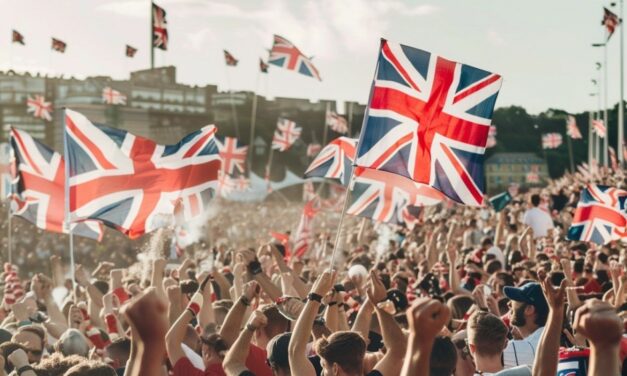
(515, 371)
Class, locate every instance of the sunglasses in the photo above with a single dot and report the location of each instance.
(34, 352)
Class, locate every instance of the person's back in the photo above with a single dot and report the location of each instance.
(539, 220)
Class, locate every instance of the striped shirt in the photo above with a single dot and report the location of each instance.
(522, 351)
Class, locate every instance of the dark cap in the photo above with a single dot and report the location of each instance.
(531, 293)
(398, 298)
(277, 350)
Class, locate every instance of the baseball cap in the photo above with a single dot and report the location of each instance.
(277, 350)
(530, 293)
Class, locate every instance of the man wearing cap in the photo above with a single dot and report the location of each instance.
(528, 315)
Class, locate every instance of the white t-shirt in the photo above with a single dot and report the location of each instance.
(539, 220)
(522, 351)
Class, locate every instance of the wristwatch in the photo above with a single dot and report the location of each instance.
(315, 297)
(24, 369)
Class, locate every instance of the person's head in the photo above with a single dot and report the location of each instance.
(486, 243)
(91, 368)
(487, 335)
(5, 350)
(535, 200)
(443, 357)
(72, 342)
(342, 353)
(459, 305)
(213, 349)
(32, 337)
(529, 308)
(57, 364)
(277, 324)
(278, 357)
(119, 351)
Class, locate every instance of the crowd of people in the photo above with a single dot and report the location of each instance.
(464, 292)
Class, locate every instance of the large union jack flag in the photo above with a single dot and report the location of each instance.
(286, 55)
(600, 215)
(131, 183)
(382, 196)
(428, 119)
(159, 28)
(39, 107)
(335, 161)
(39, 187)
(233, 155)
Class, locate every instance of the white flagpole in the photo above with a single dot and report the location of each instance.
(605, 119)
(621, 106)
(67, 204)
(9, 237)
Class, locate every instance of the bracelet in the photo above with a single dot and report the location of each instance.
(315, 297)
(331, 304)
(24, 369)
(244, 300)
(195, 303)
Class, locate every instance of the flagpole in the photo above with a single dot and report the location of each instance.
(340, 225)
(325, 132)
(152, 46)
(269, 166)
(253, 121)
(590, 138)
(350, 119)
(570, 154)
(67, 204)
(9, 237)
(621, 107)
(605, 119)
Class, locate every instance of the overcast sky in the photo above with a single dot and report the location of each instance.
(541, 48)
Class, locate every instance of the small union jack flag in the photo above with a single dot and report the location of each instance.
(313, 150)
(304, 233)
(610, 21)
(242, 184)
(229, 59)
(571, 128)
(159, 28)
(226, 184)
(551, 140)
(130, 51)
(600, 215)
(599, 127)
(428, 119)
(58, 45)
(111, 96)
(336, 122)
(286, 55)
(335, 161)
(491, 137)
(263, 66)
(233, 155)
(39, 107)
(286, 134)
(17, 37)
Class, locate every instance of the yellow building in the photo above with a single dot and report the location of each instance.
(525, 169)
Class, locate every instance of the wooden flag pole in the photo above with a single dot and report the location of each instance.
(253, 123)
(67, 205)
(9, 237)
(152, 45)
(339, 226)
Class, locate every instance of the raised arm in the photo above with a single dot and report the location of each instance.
(500, 228)
(233, 320)
(234, 362)
(545, 363)
(206, 315)
(156, 278)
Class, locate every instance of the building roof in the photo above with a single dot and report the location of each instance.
(515, 158)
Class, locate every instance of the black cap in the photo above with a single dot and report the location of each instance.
(277, 350)
(531, 293)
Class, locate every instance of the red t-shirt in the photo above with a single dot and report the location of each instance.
(256, 362)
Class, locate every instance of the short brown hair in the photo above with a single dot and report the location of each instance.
(91, 368)
(277, 323)
(347, 349)
(487, 333)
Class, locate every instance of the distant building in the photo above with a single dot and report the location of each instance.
(525, 169)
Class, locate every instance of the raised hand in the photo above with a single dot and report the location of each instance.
(426, 317)
(598, 321)
(555, 297)
(257, 320)
(324, 283)
(376, 291)
(147, 315)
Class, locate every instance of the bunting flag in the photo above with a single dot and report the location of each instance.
(114, 97)
(571, 128)
(428, 120)
(551, 140)
(599, 127)
(610, 21)
(229, 59)
(286, 134)
(336, 122)
(304, 233)
(613, 159)
(39, 107)
(263, 67)
(491, 137)
(233, 155)
(286, 55)
(335, 161)
(382, 196)
(131, 183)
(600, 216)
(313, 149)
(39, 187)
(500, 201)
(17, 37)
(159, 28)
(58, 45)
(130, 51)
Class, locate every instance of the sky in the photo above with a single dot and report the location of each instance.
(541, 48)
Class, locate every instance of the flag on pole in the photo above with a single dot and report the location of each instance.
(613, 159)
(304, 233)
(17, 37)
(111, 96)
(571, 128)
(226, 184)
(263, 67)
(58, 45)
(39, 107)
(233, 155)
(600, 215)
(286, 134)
(599, 127)
(286, 55)
(39, 187)
(130, 51)
(428, 119)
(551, 140)
(610, 21)
(500, 201)
(159, 28)
(131, 183)
(242, 183)
(335, 161)
(229, 59)
(313, 150)
(336, 122)
(491, 137)
(308, 191)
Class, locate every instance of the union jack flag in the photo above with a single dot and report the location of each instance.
(412, 216)
(112, 96)
(599, 127)
(263, 66)
(313, 149)
(159, 28)
(58, 45)
(286, 55)
(229, 59)
(39, 187)
(242, 183)
(382, 196)
(286, 134)
(233, 155)
(428, 119)
(226, 184)
(304, 233)
(610, 21)
(39, 107)
(571, 128)
(5, 171)
(551, 140)
(131, 183)
(491, 137)
(600, 215)
(335, 161)
(130, 51)
(337, 122)
(17, 37)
